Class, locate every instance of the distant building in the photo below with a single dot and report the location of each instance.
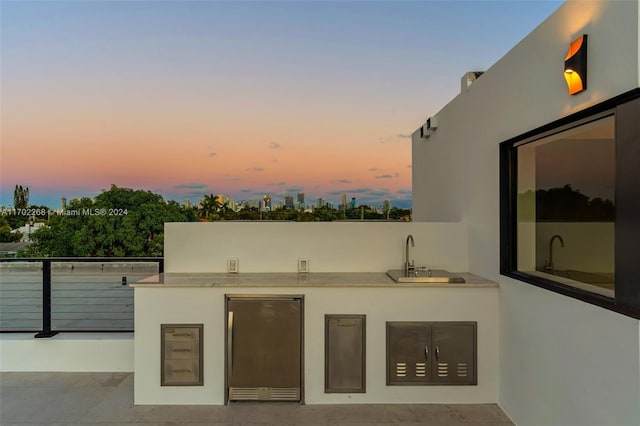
(187, 203)
(343, 202)
(252, 204)
(63, 202)
(28, 228)
(288, 202)
(301, 198)
(353, 202)
(267, 202)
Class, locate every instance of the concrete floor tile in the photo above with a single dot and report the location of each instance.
(434, 422)
(185, 414)
(363, 424)
(488, 424)
(47, 404)
(401, 413)
(478, 413)
(262, 413)
(309, 415)
(116, 406)
(359, 413)
(422, 414)
(33, 424)
(308, 422)
(125, 424)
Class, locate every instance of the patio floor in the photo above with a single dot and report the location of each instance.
(107, 399)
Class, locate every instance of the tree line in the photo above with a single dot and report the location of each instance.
(564, 204)
(124, 222)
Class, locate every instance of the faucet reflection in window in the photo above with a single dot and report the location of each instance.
(549, 266)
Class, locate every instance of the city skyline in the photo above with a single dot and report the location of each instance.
(298, 200)
(186, 99)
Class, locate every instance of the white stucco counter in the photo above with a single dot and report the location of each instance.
(199, 298)
(299, 280)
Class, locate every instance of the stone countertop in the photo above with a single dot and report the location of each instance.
(293, 279)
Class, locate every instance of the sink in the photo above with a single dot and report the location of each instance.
(424, 276)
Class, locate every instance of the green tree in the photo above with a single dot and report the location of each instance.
(6, 236)
(20, 203)
(400, 214)
(118, 222)
(209, 208)
(249, 213)
(21, 197)
(229, 214)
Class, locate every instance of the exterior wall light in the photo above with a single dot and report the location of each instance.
(429, 127)
(575, 65)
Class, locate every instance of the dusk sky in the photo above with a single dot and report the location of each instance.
(238, 98)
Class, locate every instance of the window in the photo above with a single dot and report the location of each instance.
(570, 214)
(566, 207)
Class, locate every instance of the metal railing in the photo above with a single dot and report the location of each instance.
(70, 294)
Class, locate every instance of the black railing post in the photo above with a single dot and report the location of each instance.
(161, 265)
(46, 301)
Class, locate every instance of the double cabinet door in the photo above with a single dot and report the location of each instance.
(438, 353)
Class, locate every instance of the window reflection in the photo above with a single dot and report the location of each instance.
(566, 207)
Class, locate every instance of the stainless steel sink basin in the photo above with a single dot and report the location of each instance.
(424, 276)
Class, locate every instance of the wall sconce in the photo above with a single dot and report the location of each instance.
(575, 65)
(429, 127)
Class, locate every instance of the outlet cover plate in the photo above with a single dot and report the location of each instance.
(303, 265)
(233, 265)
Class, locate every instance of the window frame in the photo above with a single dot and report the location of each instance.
(627, 219)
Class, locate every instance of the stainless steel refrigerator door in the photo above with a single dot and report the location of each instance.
(264, 338)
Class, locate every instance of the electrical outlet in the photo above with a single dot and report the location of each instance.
(233, 265)
(303, 265)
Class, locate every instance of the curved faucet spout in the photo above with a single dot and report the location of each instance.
(408, 264)
(549, 266)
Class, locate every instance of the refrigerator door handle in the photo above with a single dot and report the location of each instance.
(230, 343)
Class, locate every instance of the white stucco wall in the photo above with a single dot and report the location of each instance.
(565, 362)
(456, 177)
(329, 246)
(67, 352)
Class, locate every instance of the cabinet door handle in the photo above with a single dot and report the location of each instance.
(230, 343)
(437, 353)
(426, 352)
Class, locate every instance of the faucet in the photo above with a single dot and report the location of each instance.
(549, 265)
(409, 266)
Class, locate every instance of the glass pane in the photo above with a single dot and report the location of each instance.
(566, 207)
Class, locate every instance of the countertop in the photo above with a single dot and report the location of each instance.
(293, 279)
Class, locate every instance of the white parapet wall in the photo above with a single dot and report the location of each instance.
(329, 246)
(78, 352)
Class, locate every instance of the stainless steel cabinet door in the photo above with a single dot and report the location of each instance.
(408, 354)
(344, 359)
(454, 353)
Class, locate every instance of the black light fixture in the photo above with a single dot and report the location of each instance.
(575, 65)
